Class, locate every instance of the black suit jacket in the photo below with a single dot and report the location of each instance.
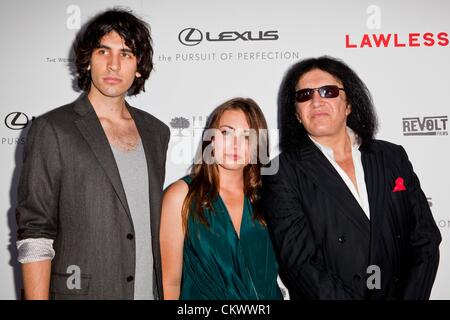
(325, 242)
(70, 191)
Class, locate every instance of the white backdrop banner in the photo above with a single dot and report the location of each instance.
(209, 51)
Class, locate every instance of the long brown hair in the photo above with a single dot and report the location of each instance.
(203, 189)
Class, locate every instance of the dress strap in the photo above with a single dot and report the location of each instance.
(187, 179)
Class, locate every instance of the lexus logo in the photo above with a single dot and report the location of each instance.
(193, 36)
(190, 36)
(16, 120)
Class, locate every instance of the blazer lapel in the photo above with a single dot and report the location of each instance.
(151, 142)
(92, 131)
(376, 184)
(317, 167)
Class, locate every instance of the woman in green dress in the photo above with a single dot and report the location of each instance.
(214, 241)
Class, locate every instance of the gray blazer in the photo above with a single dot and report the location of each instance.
(70, 191)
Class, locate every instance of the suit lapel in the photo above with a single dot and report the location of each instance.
(92, 131)
(375, 178)
(151, 142)
(317, 167)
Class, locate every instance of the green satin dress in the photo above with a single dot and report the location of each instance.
(217, 264)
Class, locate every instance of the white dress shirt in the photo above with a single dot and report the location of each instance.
(35, 249)
(362, 196)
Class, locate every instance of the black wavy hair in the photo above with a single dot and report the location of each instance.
(362, 120)
(134, 31)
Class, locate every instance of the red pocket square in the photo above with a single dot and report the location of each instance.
(399, 185)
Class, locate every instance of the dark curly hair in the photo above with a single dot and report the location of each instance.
(134, 31)
(362, 120)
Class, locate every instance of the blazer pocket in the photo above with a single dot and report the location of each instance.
(399, 197)
(68, 284)
(400, 204)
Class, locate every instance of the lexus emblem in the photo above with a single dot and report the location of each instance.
(190, 36)
(16, 120)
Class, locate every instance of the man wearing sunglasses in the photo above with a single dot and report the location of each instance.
(346, 213)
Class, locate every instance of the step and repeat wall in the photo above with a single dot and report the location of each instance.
(208, 51)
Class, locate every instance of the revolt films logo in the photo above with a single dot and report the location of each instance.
(193, 36)
(425, 126)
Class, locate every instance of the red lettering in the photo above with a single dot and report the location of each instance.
(347, 42)
(366, 41)
(443, 39)
(381, 38)
(414, 39)
(429, 41)
(396, 43)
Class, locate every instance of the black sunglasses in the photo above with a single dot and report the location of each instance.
(330, 91)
